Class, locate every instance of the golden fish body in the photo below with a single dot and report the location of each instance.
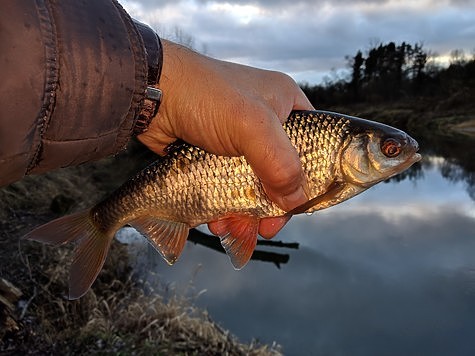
(341, 156)
(194, 186)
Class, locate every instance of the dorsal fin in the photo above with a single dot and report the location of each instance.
(238, 235)
(168, 237)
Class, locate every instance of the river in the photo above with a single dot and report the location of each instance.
(389, 272)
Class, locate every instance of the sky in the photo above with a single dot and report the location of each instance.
(309, 39)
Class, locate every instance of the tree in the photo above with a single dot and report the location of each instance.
(390, 71)
(356, 74)
(457, 57)
(419, 64)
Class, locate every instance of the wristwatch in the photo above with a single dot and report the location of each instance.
(153, 95)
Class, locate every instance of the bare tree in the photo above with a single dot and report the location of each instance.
(178, 35)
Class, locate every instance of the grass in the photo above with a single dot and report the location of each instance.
(120, 315)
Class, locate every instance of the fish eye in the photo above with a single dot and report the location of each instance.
(391, 148)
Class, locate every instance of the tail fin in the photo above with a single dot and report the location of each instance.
(90, 252)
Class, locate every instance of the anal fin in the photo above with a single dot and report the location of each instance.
(238, 235)
(167, 237)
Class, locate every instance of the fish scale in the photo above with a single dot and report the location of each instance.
(195, 194)
(341, 156)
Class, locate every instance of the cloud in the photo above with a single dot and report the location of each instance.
(310, 37)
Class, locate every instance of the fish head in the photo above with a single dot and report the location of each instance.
(375, 152)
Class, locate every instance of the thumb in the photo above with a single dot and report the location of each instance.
(275, 161)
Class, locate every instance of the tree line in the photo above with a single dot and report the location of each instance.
(389, 72)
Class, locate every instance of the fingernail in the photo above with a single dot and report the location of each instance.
(294, 199)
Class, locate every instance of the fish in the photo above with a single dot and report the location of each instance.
(341, 157)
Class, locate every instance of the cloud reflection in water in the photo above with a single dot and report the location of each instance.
(391, 271)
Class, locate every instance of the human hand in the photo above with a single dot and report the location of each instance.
(232, 110)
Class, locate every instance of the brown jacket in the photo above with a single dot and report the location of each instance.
(73, 79)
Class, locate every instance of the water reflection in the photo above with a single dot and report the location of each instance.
(457, 150)
(213, 242)
(391, 271)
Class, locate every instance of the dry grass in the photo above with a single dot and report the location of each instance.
(119, 315)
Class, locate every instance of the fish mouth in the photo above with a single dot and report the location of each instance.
(413, 146)
(416, 157)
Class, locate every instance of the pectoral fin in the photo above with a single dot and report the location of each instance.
(332, 192)
(167, 237)
(238, 235)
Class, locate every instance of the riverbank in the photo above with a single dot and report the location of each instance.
(119, 314)
(419, 117)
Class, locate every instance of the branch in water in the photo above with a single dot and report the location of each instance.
(214, 243)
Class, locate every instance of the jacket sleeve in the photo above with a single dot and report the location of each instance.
(74, 77)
